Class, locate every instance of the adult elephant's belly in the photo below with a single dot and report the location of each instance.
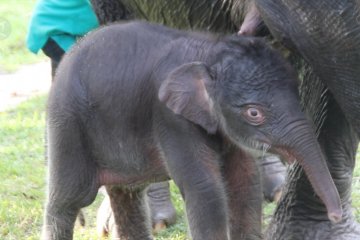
(211, 15)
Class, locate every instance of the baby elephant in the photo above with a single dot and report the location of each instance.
(136, 103)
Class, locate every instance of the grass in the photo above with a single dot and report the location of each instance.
(21, 170)
(22, 185)
(14, 18)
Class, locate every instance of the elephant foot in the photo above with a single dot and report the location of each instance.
(159, 226)
(162, 211)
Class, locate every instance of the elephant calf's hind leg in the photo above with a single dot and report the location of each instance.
(130, 215)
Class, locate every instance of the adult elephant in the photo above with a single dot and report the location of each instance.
(324, 40)
(326, 34)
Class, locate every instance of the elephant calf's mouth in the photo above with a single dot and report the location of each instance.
(285, 154)
(254, 146)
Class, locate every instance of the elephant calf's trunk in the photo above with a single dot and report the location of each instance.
(325, 188)
(308, 153)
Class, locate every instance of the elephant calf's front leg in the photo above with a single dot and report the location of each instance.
(245, 196)
(195, 169)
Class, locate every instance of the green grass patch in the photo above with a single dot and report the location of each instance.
(14, 20)
(22, 170)
(23, 180)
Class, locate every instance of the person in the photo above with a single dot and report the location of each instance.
(56, 25)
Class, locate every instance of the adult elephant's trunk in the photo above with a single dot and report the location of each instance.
(306, 150)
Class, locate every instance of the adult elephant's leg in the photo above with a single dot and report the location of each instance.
(273, 174)
(162, 210)
(301, 215)
(327, 35)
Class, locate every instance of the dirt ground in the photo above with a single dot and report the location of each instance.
(28, 81)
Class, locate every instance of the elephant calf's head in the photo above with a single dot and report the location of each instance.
(249, 93)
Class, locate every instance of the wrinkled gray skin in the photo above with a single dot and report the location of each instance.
(327, 35)
(324, 40)
(189, 107)
(162, 211)
(273, 172)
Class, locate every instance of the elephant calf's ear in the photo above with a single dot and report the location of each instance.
(184, 92)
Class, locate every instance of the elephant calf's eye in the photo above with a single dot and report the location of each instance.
(254, 115)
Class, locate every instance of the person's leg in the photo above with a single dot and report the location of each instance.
(55, 53)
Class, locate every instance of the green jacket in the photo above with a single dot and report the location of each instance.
(62, 20)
